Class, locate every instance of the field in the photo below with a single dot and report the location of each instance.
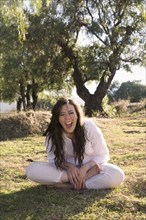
(22, 199)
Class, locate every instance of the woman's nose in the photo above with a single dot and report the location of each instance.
(67, 116)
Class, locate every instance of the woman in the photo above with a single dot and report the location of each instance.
(77, 153)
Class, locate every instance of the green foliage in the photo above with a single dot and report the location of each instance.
(31, 60)
(108, 109)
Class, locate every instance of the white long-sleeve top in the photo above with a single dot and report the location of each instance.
(95, 147)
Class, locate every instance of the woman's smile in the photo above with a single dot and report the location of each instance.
(69, 125)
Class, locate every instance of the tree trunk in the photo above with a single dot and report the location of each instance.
(93, 102)
(28, 96)
(22, 93)
(19, 104)
(92, 105)
(34, 95)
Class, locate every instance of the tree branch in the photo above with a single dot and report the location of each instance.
(131, 60)
(100, 19)
(92, 21)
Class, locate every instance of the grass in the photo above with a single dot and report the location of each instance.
(23, 199)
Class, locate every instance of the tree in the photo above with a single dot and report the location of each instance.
(132, 91)
(115, 29)
(10, 58)
(28, 61)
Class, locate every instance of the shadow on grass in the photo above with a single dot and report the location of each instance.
(42, 203)
(136, 124)
(139, 187)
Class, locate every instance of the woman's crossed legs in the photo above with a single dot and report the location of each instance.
(42, 172)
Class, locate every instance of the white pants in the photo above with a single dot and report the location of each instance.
(44, 173)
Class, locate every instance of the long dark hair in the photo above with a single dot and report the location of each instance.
(55, 133)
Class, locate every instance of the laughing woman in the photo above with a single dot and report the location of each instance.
(77, 153)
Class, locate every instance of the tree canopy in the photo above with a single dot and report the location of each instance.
(46, 49)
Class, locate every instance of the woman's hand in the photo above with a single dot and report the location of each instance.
(87, 171)
(78, 176)
(94, 170)
(83, 172)
(73, 176)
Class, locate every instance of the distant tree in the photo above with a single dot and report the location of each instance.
(132, 91)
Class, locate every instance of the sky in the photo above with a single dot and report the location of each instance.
(138, 73)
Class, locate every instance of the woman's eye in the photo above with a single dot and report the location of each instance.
(61, 114)
(71, 113)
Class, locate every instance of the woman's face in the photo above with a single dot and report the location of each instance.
(68, 119)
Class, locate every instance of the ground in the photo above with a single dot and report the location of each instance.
(21, 140)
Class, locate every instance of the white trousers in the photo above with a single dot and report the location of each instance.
(42, 172)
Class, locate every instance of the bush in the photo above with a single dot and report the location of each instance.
(121, 106)
(25, 123)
